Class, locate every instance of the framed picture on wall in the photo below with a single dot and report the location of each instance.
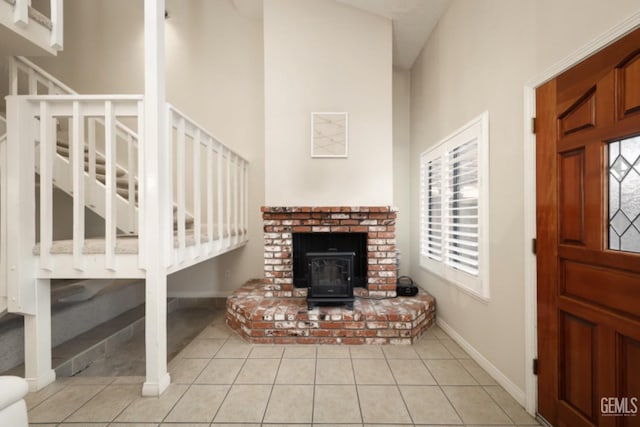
(329, 135)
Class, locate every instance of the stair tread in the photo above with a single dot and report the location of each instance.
(126, 244)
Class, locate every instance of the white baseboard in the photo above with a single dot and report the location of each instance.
(516, 392)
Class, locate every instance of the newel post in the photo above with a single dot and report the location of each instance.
(155, 221)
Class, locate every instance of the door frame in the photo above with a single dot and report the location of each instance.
(530, 270)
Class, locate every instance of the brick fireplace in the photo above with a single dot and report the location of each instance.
(273, 310)
(377, 222)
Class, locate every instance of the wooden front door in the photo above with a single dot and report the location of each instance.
(588, 240)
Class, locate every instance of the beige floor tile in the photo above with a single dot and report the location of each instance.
(449, 372)
(152, 409)
(411, 372)
(266, 352)
(334, 371)
(203, 349)
(244, 403)
(300, 352)
(64, 403)
(199, 404)
(129, 380)
(233, 425)
(35, 398)
(454, 349)
(215, 332)
(77, 425)
(185, 371)
(106, 405)
(234, 350)
(438, 332)
(432, 349)
(336, 404)
(179, 425)
(134, 424)
(366, 352)
(290, 404)
(382, 404)
(296, 371)
(429, 334)
(333, 352)
(220, 371)
(258, 371)
(429, 405)
(399, 352)
(477, 372)
(475, 406)
(89, 380)
(510, 406)
(372, 371)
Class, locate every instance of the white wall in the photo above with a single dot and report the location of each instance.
(324, 56)
(214, 74)
(479, 58)
(401, 165)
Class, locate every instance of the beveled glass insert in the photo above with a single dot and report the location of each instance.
(624, 195)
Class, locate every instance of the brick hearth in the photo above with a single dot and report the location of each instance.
(263, 319)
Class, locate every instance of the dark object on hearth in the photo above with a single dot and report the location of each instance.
(405, 287)
(330, 278)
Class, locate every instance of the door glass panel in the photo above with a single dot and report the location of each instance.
(624, 195)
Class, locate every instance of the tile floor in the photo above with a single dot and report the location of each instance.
(219, 380)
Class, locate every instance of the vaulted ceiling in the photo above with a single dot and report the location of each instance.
(412, 20)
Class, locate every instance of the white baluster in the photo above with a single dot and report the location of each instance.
(220, 198)
(77, 164)
(57, 22)
(91, 198)
(131, 184)
(197, 214)
(228, 199)
(180, 159)
(110, 187)
(47, 148)
(210, 234)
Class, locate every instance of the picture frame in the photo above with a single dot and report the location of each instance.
(329, 134)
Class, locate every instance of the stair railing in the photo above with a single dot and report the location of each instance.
(211, 182)
(26, 78)
(32, 125)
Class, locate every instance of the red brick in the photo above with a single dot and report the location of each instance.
(354, 325)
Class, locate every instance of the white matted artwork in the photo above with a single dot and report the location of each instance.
(329, 134)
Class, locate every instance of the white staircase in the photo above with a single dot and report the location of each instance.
(92, 148)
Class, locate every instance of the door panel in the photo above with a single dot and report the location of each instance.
(610, 288)
(629, 86)
(572, 197)
(577, 364)
(588, 229)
